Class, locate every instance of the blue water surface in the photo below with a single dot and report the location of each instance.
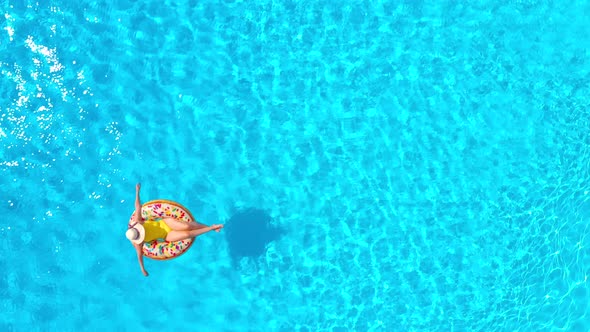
(425, 164)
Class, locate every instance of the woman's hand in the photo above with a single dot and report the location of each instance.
(137, 186)
(145, 273)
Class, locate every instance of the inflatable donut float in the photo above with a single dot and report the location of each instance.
(161, 249)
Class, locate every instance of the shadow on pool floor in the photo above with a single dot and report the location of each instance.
(248, 233)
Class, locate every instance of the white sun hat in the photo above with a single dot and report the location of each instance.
(136, 234)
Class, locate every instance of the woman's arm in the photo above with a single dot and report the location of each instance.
(139, 250)
(138, 218)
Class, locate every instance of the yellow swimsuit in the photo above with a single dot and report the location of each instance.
(155, 230)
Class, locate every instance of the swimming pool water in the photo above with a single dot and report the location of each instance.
(427, 163)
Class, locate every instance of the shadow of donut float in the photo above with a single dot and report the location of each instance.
(248, 233)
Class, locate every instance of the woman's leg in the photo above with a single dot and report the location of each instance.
(176, 235)
(178, 225)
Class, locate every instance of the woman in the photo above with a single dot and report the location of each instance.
(170, 229)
